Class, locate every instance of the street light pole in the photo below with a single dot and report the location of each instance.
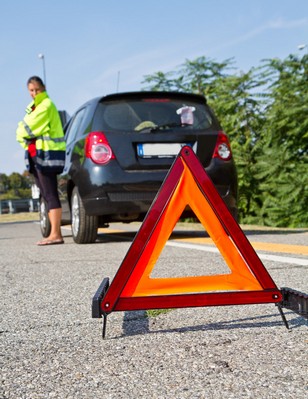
(42, 57)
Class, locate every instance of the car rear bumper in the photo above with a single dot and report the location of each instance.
(113, 191)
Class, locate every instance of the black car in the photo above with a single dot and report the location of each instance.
(120, 148)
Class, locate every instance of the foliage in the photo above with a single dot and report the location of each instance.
(15, 186)
(237, 106)
(282, 166)
(264, 112)
(156, 312)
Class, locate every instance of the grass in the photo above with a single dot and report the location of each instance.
(19, 217)
(156, 312)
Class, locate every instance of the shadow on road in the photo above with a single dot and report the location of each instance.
(138, 323)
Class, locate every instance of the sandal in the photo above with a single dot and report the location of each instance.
(50, 242)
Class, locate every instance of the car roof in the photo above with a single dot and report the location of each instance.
(154, 94)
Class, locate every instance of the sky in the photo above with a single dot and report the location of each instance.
(96, 47)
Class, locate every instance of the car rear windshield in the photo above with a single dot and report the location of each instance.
(150, 114)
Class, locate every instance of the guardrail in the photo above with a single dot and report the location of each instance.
(19, 205)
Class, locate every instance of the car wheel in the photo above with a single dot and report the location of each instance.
(44, 218)
(234, 212)
(84, 227)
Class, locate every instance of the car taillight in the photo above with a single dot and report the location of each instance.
(222, 148)
(98, 149)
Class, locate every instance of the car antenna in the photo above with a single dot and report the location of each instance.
(118, 81)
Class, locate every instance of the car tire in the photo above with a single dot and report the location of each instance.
(84, 227)
(44, 218)
(234, 213)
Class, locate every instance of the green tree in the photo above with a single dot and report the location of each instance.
(282, 167)
(17, 186)
(4, 183)
(238, 105)
(196, 76)
(159, 81)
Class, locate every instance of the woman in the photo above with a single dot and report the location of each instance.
(40, 133)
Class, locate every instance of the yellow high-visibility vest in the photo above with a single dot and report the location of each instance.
(42, 123)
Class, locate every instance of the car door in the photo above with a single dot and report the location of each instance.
(71, 132)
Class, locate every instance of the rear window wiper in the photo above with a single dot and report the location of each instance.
(168, 125)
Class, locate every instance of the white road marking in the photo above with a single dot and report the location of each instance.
(273, 258)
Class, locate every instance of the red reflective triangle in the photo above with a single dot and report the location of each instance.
(132, 288)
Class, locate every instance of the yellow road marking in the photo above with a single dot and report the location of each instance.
(260, 246)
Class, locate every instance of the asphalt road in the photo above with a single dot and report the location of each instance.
(52, 348)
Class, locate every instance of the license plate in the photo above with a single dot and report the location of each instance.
(160, 150)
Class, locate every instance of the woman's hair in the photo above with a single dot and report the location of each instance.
(36, 79)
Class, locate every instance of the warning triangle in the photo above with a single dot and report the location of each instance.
(248, 282)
